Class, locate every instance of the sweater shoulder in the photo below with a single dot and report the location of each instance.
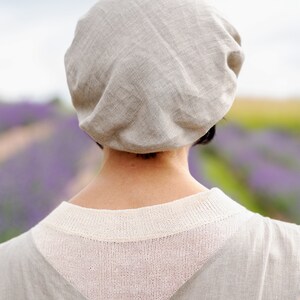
(262, 259)
(28, 275)
(278, 240)
(282, 227)
(14, 251)
(14, 260)
(284, 235)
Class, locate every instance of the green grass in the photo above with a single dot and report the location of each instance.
(252, 114)
(259, 113)
(9, 234)
(221, 176)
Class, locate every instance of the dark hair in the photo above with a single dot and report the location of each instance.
(205, 139)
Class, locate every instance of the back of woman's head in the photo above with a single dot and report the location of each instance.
(152, 76)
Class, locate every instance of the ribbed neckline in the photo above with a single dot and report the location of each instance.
(143, 222)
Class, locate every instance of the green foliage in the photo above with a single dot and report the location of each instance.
(220, 174)
(258, 114)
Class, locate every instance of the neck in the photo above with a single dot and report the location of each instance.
(125, 181)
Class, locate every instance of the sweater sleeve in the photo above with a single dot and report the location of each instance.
(26, 275)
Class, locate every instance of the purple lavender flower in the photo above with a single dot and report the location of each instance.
(31, 180)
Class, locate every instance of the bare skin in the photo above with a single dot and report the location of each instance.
(126, 181)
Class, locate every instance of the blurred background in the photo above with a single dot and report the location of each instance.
(45, 158)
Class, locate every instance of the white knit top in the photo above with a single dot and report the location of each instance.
(141, 253)
(201, 247)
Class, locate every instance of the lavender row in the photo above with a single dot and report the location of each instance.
(31, 181)
(267, 160)
(23, 113)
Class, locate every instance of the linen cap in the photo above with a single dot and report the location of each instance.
(152, 75)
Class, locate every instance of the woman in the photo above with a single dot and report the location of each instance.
(148, 80)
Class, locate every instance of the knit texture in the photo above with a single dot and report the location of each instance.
(142, 253)
(238, 255)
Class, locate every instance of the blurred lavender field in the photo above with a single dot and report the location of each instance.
(259, 168)
(267, 162)
(32, 180)
(24, 113)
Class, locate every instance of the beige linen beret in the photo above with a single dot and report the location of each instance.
(152, 75)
